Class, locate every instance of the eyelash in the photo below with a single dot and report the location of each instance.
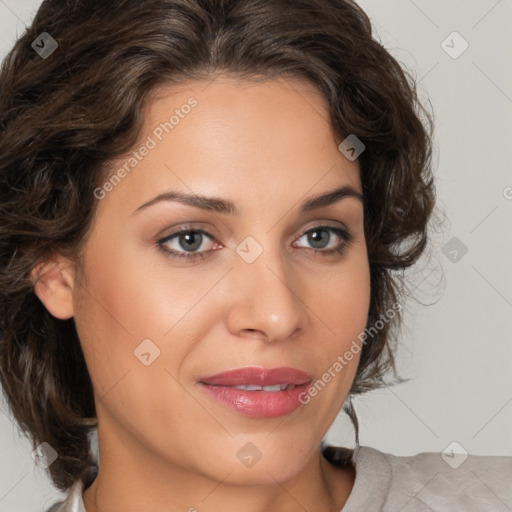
(342, 233)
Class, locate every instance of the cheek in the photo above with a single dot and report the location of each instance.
(110, 316)
(341, 299)
(342, 304)
(127, 299)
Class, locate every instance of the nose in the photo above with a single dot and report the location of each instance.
(266, 299)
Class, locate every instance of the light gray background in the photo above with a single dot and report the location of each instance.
(457, 351)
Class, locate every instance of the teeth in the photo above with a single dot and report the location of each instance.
(274, 388)
(248, 387)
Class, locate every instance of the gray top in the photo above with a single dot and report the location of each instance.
(424, 482)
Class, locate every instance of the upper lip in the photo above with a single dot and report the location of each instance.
(256, 376)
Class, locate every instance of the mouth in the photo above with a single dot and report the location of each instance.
(257, 378)
(272, 388)
(258, 392)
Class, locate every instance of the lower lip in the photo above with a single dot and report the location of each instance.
(257, 404)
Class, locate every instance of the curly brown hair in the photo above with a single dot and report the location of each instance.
(63, 117)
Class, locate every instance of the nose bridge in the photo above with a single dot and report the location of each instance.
(266, 297)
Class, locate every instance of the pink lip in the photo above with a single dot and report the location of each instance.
(259, 404)
(252, 375)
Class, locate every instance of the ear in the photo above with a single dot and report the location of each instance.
(54, 281)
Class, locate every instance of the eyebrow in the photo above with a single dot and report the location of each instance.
(218, 205)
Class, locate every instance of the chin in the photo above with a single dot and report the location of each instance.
(251, 467)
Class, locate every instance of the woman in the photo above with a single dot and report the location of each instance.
(203, 208)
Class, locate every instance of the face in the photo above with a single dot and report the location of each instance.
(170, 292)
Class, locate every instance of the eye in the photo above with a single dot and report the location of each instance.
(188, 242)
(322, 240)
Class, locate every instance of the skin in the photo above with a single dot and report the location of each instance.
(165, 444)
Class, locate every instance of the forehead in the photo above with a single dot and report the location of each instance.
(281, 113)
(237, 138)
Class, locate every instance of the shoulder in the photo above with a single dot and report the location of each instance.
(430, 481)
(438, 481)
(425, 482)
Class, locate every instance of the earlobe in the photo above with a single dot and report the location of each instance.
(54, 281)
